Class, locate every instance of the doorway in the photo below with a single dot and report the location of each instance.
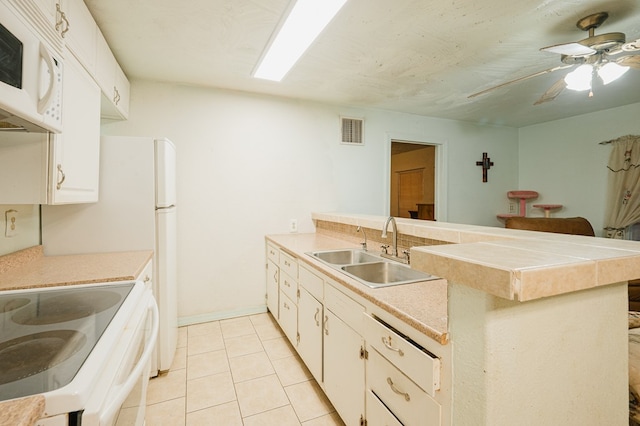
(412, 180)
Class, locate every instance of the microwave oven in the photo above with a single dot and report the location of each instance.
(30, 78)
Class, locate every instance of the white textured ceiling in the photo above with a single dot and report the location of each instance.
(416, 56)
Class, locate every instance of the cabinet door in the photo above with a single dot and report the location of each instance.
(113, 82)
(81, 37)
(75, 153)
(310, 315)
(288, 318)
(343, 369)
(272, 288)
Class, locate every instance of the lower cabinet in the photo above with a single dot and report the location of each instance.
(273, 292)
(310, 319)
(372, 373)
(288, 318)
(344, 369)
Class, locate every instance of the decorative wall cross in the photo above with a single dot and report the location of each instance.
(486, 164)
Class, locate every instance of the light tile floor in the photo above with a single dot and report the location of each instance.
(240, 371)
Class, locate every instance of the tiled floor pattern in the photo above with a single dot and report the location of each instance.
(240, 371)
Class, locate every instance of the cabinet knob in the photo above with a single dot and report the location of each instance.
(62, 177)
(62, 23)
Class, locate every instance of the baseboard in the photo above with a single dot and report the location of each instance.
(216, 316)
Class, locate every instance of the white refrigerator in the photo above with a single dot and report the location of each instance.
(136, 211)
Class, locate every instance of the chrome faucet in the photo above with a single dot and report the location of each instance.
(363, 244)
(395, 234)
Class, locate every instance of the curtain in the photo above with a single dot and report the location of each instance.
(623, 191)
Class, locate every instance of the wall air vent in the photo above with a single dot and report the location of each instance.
(352, 131)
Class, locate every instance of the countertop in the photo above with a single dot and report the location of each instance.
(29, 268)
(421, 305)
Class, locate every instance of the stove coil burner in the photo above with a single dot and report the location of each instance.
(29, 355)
(65, 308)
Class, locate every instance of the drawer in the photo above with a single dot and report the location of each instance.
(289, 265)
(288, 286)
(273, 253)
(410, 404)
(377, 413)
(411, 359)
(311, 282)
(344, 307)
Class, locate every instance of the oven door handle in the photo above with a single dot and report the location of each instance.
(113, 405)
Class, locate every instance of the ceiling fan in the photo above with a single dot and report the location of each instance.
(606, 56)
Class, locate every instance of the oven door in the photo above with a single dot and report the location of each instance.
(120, 396)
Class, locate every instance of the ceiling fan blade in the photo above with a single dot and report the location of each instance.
(630, 61)
(569, 49)
(552, 92)
(517, 80)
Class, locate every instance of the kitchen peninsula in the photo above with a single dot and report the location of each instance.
(524, 327)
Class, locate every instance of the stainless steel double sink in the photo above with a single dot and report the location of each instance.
(370, 269)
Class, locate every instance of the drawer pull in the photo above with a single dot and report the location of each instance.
(287, 263)
(315, 317)
(326, 323)
(396, 390)
(387, 344)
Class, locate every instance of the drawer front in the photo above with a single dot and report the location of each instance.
(311, 282)
(289, 264)
(410, 404)
(345, 308)
(378, 414)
(423, 368)
(288, 318)
(288, 286)
(273, 253)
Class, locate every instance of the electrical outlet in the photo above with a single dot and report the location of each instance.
(293, 225)
(512, 207)
(11, 226)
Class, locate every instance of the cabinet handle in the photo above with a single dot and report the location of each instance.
(286, 306)
(326, 323)
(62, 177)
(315, 317)
(59, 22)
(286, 283)
(396, 390)
(387, 344)
(146, 279)
(287, 263)
(275, 276)
(116, 95)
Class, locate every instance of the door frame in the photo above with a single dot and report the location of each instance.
(440, 173)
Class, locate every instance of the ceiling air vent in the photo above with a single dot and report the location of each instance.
(352, 129)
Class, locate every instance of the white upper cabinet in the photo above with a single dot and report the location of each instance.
(74, 155)
(81, 32)
(112, 82)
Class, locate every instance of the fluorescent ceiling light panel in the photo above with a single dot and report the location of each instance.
(305, 22)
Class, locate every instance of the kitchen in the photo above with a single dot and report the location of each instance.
(237, 182)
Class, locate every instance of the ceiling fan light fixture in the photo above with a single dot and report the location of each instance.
(611, 71)
(305, 21)
(580, 78)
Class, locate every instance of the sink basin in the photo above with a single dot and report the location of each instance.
(383, 274)
(345, 256)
